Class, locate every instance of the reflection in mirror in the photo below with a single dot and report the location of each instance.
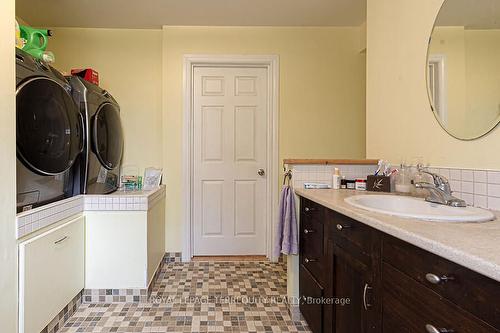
(463, 67)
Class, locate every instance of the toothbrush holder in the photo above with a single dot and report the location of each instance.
(379, 183)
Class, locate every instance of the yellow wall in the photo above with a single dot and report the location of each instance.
(399, 119)
(8, 247)
(322, 97)
(129, 63)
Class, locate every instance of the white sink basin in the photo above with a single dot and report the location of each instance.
(410, 207)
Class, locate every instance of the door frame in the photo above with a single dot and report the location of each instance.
(271, 63)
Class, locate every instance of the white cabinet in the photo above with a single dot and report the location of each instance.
(124, 248)
(51, 273)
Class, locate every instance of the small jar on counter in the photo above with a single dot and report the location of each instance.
(360, 184)
(343, 183)
(350, 184)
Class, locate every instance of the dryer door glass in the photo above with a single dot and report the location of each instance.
(49, 126)
(107, 136)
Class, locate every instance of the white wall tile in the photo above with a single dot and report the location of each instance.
(494, 190)
(494, 177)
(480, 188)
(455, 174)
(494, 203)
(481, 201)
(480, 176)
(456, 185)
(469, 198)
(467, 187)
(467, 175)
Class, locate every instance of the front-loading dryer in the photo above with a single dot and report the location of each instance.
(49, 134)
(103, 146)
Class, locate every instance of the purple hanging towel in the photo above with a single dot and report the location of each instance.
(286, 240)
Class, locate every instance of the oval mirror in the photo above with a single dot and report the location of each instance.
(463, 67)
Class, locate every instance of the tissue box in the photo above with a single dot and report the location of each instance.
(378, 183)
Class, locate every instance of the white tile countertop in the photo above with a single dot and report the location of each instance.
(472, 245)
(43, 216)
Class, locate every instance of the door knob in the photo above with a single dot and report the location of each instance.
(261, 172)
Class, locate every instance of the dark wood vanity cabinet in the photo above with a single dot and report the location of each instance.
(339, 272)
(391, 285)
(353, 254)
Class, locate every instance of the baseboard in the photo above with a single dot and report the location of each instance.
(135, 295)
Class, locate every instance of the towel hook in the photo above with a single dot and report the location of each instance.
(287, 176)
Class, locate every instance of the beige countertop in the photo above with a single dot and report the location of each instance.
(472, 245)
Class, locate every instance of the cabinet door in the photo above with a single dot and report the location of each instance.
(352, 282)
(51, 273)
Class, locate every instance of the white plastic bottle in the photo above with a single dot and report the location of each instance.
(336, 179)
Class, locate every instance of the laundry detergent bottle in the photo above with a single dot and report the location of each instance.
(36, 42)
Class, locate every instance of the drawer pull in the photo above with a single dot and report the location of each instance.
(309, 231)
(340, 227)
(307, 209)
(432, 329)
(434, 279)
(307, 260)
(61, 240)
(366, 305)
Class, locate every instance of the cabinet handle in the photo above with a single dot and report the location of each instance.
(61, 240)
(340, 227)
(307, 260)
(432, 329)
(309, 231)
(366, 305)
(434, 279)
(307, 209)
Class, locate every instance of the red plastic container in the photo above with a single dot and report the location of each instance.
(87, 74)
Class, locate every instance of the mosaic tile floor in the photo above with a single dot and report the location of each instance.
(200, 297)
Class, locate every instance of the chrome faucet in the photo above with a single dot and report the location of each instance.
(440, 190)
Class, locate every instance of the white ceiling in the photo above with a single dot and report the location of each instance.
(152, 14)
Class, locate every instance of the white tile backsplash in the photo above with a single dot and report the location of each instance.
(323, 173)
(493, 177)
(494, 190)
(480, 188)
(455, 174)
(467, 187)
(480, 176)
(468, 175)
(456, 185)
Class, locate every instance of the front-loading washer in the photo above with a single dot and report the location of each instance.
(103, 146)
(49, 134)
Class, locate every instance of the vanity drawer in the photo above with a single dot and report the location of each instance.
(311, 212)
(311, 240)
(469, 290)
(359, 235)
(408, 306)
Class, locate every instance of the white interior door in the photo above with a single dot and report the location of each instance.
(229, 160)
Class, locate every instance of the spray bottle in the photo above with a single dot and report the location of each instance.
(36, 42)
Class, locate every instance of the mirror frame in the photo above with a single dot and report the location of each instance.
(486, 132)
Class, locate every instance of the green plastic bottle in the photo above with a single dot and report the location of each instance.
(36, 42)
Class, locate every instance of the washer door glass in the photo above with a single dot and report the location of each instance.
(49, 127)
(107, 136)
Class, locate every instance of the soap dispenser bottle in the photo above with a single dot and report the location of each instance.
(336, 179)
